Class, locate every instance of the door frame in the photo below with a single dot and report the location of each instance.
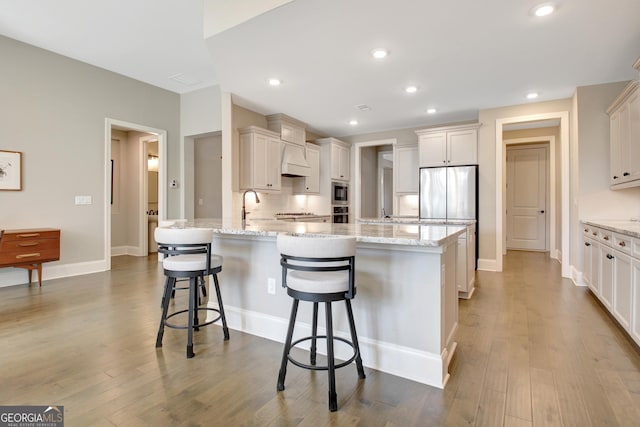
(563, 253)
(161, 135)
(550, 191)
(357, 148)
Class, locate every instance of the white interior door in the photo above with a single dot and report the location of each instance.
(527, 198)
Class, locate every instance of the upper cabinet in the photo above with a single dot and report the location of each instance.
(290, 129)
(260, 162)
(448, 146)
(339, 155)
(624, 116)
(405, 168)
(310, 184)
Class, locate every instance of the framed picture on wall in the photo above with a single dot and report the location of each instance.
(10, 170)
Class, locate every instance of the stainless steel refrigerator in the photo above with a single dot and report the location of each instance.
(449, 193)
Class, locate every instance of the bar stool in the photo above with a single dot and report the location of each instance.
(319, 269)
(166, 249)
(188, 255)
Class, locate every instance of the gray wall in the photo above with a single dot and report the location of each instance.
(208, 177)
(53, 110)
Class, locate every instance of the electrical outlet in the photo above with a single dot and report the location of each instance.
(271, 286)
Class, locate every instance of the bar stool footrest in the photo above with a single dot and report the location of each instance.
(174, 326)
(321, 367)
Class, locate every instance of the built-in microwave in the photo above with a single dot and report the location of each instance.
(339, 193)
(340, 214)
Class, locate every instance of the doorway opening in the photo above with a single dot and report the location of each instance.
(559, 182)
(369, 185)
(128, 147)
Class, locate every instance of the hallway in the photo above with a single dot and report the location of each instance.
(533, 350)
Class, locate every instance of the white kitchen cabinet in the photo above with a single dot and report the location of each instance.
(290, 129)
(612, 271)
(586, 261)
(624, 134)
(260, 159)
(634, 327)
(622, 289)
(309, 184)
(406, 169)
(466, 263)
(606, 277)
(448, 146)
(336, 157)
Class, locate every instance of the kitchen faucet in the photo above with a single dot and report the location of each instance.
(244, 211)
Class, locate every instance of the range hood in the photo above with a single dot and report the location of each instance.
(293, 160)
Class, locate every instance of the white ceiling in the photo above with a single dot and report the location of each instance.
(463, 56)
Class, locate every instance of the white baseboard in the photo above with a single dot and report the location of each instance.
(126, 250)
(421, 366)
(577, 277)
(18, 276)
(487, 264)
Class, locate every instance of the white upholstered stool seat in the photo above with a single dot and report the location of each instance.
(319, 269)
(188, 256)
(308, 281)
(190, 262)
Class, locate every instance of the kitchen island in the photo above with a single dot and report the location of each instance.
(406, 308)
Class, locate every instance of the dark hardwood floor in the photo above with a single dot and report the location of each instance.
(533, 350)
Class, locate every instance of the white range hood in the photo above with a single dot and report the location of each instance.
(294, 162)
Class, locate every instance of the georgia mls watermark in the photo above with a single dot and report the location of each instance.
(31, 416)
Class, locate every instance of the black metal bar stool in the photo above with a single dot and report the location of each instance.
(319, 269)
(189, 256)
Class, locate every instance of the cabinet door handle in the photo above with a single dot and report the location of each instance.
(615, 177)
(587, 244)
(609, 256)
(626, 174)
(541, 211)
(606, 237)
(594, 233)
(623, 244)
(586, 230)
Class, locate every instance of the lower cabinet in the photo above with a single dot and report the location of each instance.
(634, 328)
(466, 263)
(612, 272)
(622, 291)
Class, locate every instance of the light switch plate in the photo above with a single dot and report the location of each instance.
(83, 200)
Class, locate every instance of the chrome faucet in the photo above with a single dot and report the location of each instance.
(244, 211)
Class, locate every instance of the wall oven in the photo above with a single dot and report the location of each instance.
(339, 193)
(340, 214)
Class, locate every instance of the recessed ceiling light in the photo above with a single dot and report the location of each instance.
(275, 82)
(411, 89)
(543, 9)
(532, 95)
(379, 53)
(353, 122)
(431, 111)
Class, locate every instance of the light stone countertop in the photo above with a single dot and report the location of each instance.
(415, 220)
(629, 228)
(393, 234)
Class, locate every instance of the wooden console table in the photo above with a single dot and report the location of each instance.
(29, 248)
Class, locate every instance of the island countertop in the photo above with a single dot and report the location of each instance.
(415, 220)
(429, 235)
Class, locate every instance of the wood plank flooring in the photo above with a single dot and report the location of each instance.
(533, 350)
